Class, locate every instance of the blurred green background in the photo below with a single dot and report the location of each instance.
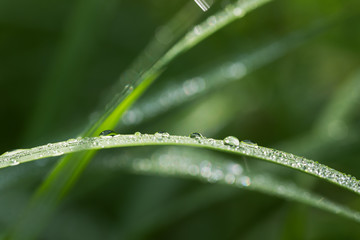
(60, 59)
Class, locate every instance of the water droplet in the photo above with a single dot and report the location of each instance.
(196, 135)
(230, 179)
(212, 20)
(216, 175)
(231, 141)
(205, 169)
(10, 153)
(193, 86)
(238, 11)
(161, 135)
(235, 169)
(244, 181)
(128, 88)
(137, 134)
(14, 163)
(108, 133)
(235, 70)
(198, 30)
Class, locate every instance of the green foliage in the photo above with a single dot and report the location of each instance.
(286, 76)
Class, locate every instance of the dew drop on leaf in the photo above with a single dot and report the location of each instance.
(108, 133)
(161, 135)
(14, 163)
(128, 88)
(196, 135)
(231, 141)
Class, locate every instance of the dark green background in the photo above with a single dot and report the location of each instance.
(58, 60)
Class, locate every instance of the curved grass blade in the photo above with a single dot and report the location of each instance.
(188, 164)
(230, 144)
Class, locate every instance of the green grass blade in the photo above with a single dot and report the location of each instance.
(211, 170)
(210, 26)
(230, 145)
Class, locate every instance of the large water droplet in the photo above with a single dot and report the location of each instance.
(196, 135)
(108, 133)
(231, 141)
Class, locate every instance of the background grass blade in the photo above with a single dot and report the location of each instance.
(192, 163)
(177, 93)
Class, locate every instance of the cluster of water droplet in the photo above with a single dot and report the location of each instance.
(231, 12)
(186, 162)
(109, 139)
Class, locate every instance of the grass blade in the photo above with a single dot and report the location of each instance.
(213, 170)
(236, 68)
(230, 145)
(190, 163)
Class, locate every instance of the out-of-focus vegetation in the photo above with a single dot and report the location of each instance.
(58, 64)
